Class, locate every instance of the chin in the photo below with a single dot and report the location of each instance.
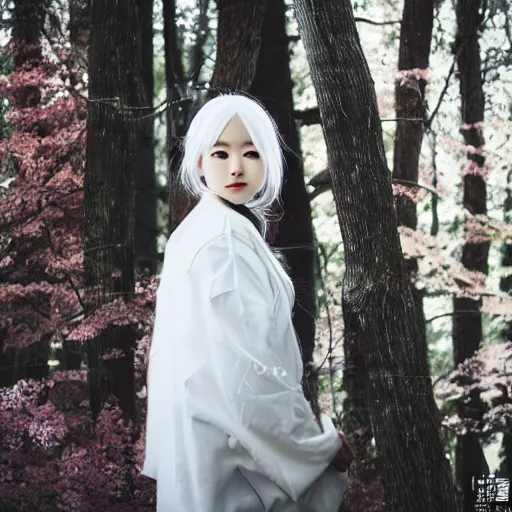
(241, 197)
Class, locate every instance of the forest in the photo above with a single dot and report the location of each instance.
(395, 224)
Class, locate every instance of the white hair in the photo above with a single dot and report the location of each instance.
(206, 128)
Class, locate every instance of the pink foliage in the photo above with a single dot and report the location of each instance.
(473, 168)
(441, 273)
(414, 194)
(487, 373)
(409, 76)
(60, 458)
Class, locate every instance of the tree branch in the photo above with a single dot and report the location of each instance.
(322, 182)
(312, 116)
(371, 22)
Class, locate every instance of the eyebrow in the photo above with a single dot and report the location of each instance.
(227, 145)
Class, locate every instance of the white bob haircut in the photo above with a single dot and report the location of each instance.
(206, 128)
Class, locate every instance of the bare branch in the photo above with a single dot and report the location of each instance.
(371, 22)
(322, 182)
(312, 116)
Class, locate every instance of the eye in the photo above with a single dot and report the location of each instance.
(252, 154)
(220, 154)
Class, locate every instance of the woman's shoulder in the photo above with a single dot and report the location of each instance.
(220, 234)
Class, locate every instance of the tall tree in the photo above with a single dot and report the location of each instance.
(27, 23)
(467, 320)
(71, 356)
(272, 85)
(176, 118)
(377, 302)
(146, 228)
(238, 43)
(79, 26)
(506, 286)
(114, 89)
(413, 63)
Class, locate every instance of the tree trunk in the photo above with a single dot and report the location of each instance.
(146, 228)
(272, 85)
(79, 28)
(203, 31)
(413, 63)
(506, 286)
(238, 43)
(27, 24)
(378, 306)
(467, 327)
(177, 121)
(112, 135)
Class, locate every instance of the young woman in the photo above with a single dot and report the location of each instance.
(228, 428)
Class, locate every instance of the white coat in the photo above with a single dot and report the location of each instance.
(228, 428)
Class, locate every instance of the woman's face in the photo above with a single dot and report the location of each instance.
(233, 158)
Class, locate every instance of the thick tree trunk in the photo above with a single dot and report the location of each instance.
(146, 228)
(112, 135)
(177, 121)
(378, 306)
(467, 328)
(273, 86)
(238, 43)
(413, 63)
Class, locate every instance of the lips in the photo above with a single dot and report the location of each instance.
(237, 185)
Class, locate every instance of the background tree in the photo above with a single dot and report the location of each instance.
(177, 114)
(273, 86)
(146, 228)
(467, 320)
(413, 64)
(238, 43)
(30, 360)
(115, 90)
(378, 307)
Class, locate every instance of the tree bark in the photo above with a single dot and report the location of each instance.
(413, 63)
(238, 43)
(272, 85)
(203, 31)
(378, 306)
(177, 121)
(467, 328)
(79, 28)
(112, 135)
(27, 24)
(146, 228)
(506, 286)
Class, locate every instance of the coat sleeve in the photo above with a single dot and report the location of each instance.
(243, 388)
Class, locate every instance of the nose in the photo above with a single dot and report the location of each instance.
(236, 167)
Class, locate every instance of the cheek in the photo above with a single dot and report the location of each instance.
(213, 167)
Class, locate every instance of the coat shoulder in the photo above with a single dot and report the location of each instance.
(216, 230)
